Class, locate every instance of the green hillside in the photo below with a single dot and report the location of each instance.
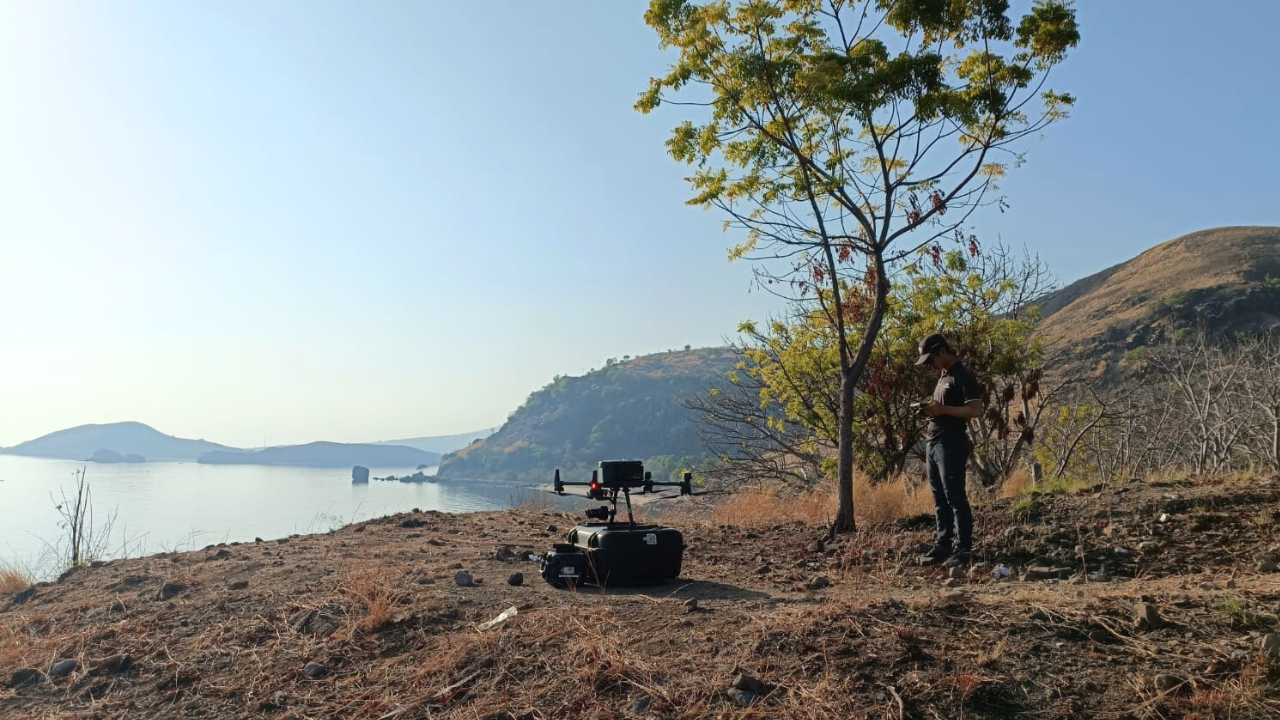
(627, 410)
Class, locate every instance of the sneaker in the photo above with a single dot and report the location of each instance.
(935, 555)
(958, 559)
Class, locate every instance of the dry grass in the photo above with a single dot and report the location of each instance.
(376, 592)
(13, 581)
(1018, 482)
(877, 504)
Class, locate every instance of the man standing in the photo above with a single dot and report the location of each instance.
(956, 401)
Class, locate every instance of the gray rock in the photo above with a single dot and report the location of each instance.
(24, 596)
(25, 676)
(112, 665)
(435, 543)
(551, 528)
(118, 607)
(170, 590)
(463, 579)
(953, 583)
(1145, 615)
(1208, 586)
(63, 668)
(238, 585)
(313, 670)
(819, 582)
(691, 605)
(640, 704)
(222, 555)
(956, 572)
(749, 684)
(515, 579)
(1270, 644)
(1040, 572)
(1267, 565)
(504, 553)
(742, 697)
(1165, 682)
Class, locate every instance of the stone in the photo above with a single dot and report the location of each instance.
(463, 579)
(112, 665)
(691, 605)
(504, 553)
(222, 555)
(434, 542)
(1208, 586)
(742, 697)
(63, 668)
(257, 540)
(763, 569)
(515, 579)
(953, 583)
(1270, 644)
(24, 596)
(97, 564)
(313, 670)
(118, 607)
(1267, 565)
(956, 572)
(25, 676)
(412, 523)
(1165, 682)
(551, 528)
(749, 684)
(1145, 615)
(238, 585)
(170, 590)
(1040, 572)
(1231, 584)
(819, 582)
(640, 705)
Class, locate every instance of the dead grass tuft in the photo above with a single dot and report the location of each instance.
(1018, 482)
(376, 592)
(874, 504)
(13, 581)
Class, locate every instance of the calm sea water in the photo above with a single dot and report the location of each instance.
(161, 507)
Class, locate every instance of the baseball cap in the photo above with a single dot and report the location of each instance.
(930, 345)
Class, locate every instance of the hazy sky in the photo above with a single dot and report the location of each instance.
(288, 221)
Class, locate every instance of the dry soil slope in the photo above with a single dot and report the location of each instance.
(1227, 279)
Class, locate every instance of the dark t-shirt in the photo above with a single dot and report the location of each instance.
(957, 387)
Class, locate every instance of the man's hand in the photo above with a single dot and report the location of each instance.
(935, 408)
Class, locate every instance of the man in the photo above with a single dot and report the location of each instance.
(956, 401)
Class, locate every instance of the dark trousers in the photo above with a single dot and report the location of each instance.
(947, 459)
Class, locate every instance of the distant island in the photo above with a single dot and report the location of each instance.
(325, 454)
(135, 442)
(111, 456)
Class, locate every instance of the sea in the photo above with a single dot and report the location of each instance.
(146, 508)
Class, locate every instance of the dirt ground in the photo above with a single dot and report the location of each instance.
(1133, 601)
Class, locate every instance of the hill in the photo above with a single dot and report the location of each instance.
(325, 454)
(1226, 280)
(629, 409)
(441, 443)
(123, 438)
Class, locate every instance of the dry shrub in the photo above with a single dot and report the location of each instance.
(874, 504)
(13, 581)
(377, 592)
(1018, 482)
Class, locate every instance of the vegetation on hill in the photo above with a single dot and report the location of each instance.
(1224, 281)
(629, 409)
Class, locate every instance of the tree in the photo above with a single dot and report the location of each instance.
(982, 300)
(842, 135)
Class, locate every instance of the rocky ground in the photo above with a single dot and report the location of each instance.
(1136, 601)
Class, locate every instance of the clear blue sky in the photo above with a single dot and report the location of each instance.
(289, 221)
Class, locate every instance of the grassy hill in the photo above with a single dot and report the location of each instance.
(1226, 280)
(629, 409)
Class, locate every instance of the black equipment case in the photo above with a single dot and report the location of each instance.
(615, 554)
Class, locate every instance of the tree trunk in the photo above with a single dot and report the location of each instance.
(849, 377)
(1275, 437)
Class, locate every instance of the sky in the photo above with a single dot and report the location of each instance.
(270, 223)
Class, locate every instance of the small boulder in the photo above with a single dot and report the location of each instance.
(112, 665)
(742, 697)
(640, 705)
(956, 573)
(238, 585)
(749, 684)
(1270, 644)
(170, 590)
(504, 553)
(25, 676)
(1267, 565)
(1145, 615)
(818, 583)
(1165, 682)
(63, 668)
(313, 670)
(463, 579)
(551, 528)
(691, 605)
(24, 596)
(515, 579)
(433, 542)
